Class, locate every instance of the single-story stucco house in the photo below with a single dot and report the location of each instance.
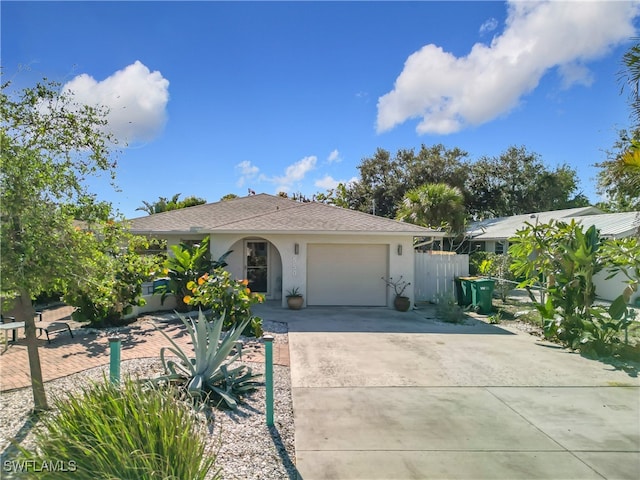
(334, 256)
(492, 235)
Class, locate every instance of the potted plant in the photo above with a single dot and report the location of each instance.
(294, 299)
(400, 302)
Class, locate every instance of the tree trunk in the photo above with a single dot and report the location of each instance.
(26, 313)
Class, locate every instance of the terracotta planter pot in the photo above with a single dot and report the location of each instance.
(295, 303)
(402, 304)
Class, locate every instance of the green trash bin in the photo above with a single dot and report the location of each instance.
(463, 290)
(458, 284)
(482, 295)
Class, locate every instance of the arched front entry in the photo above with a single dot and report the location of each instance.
(257, 260)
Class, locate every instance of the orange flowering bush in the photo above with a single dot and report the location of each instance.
(221, 293)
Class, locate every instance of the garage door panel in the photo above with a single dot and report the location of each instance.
(346, 274)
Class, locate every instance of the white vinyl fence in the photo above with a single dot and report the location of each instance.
(434, 274)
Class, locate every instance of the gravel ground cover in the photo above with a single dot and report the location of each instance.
(246, 447)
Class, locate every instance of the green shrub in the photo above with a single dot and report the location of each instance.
(226, 297)
(109, 290)
(448, 310)
(125, 431)
(476, 260)
(496, 318)
(497, 267)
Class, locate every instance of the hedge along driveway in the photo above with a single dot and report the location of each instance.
(379, 394)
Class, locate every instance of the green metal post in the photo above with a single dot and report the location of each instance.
(268, 374)
(114, 364)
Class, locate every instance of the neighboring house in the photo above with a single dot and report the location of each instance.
(334, 256)
(493, 235)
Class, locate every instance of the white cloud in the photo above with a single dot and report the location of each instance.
(328, 182)
(247, 171)
(334, 156)
(450, 93)
(575, 73)
(488, 26)
(136, 99)
(246, 168)
(296, 172)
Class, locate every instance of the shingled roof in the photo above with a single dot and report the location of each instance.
(265, 213)
(610, 225)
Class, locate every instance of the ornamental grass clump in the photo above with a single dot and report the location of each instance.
(126, 431)
(448, 310)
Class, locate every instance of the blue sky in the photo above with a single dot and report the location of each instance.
(219, 97)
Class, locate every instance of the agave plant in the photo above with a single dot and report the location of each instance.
(209, 373)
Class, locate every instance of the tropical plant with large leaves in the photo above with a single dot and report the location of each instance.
(209, 374)
(561, 259)
(187, 264)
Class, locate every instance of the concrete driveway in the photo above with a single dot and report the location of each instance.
(379, 394)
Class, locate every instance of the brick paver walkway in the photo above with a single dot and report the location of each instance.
(65, 355)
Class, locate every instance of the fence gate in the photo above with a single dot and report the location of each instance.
(434, 274)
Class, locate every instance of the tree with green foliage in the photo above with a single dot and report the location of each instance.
(630, 76)
(228, 196)
(337, 196)
(434, 205)
(384, 180)
(49, 146)
(619, 175)
(165, 205)
(112, 285)
(517, 182)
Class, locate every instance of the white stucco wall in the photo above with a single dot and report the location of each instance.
(612, 288)
(293, 270)
(154, 304)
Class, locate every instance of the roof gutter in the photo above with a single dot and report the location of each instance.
(419, 233)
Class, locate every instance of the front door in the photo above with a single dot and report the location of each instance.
(257, 266)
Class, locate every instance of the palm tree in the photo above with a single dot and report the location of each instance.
(434, 205)
(631, 76)
(630, 160)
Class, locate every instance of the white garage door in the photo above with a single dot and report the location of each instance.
(346, 274)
